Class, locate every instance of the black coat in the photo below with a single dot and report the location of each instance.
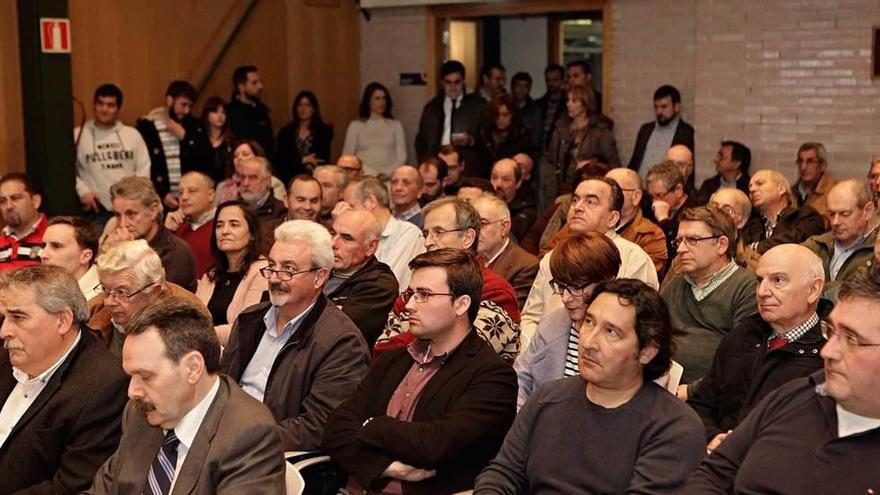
(684, 134)
(367, 296)
(458, 424)
(466, 118)
(712, 184)
(488, 152)
(71, 428)
(795, 225)
(251, 122)
(743, 372)
(287, 160)
(196, 153)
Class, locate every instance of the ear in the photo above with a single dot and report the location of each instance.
(868, 210)
(637, 197)
(461, 305)
(169, 101)
(505, 226)
(155, 210)
(723, 245)
(613, 219)
(193, 366)
(65, 322)
(676, 107)
(647, 354)
(37, 200)
(816, 286)
(372, 247)
(321, 278)
(370, 203)
(85, 257)
(470, 235)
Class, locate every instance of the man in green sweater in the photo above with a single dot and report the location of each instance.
(710, 294)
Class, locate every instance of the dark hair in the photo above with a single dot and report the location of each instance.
(451, 67)
(517, 168)
(555, 68)
(517, 125)
(667, 90)
(616, 195)
(582, 63)
(364, 111)
(740, 153)
(486, 70)
(239, 76)
(219, 270)
(464, 275)
(108, 89)
(84, 232)
(305, 178)
(183, 327)
(213, 104)
(667, 172)
(316, 116)
(652, 322)
(440, 165)
(585, 259)
(477, 183)
(521, 76)
(719, 223)
(178, 89)
(466, 216)
(255, 147)
(864, 284)
(30, 185)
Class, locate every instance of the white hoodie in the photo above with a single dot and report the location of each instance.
(106, 155)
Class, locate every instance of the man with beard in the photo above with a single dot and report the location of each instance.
(176, 140)
(186, 428)
(298, 353)
(20, 240)
(655, 138)
(248, 115)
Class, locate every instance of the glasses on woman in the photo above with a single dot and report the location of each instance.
(559, 287)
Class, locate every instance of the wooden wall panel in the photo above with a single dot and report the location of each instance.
(11, 128)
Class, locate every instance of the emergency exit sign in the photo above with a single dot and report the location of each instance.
(54, 35)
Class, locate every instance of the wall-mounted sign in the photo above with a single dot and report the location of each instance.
(54, 35)
(413, 79)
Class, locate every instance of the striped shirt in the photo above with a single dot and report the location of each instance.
(571, 354)
(171, 147)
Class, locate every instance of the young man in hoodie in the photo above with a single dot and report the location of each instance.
(106, 150)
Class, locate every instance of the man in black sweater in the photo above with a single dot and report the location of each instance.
(248, 115)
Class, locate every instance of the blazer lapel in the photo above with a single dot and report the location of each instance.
(194, 464)
(144, 446)
(456, 363)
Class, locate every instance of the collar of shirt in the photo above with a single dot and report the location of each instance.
(271, 321)
(496, 255)
(420, 350)
(717, 278)
(850, 423)
(724, 183)
(858, 243)
(262, 201)
(36, 384)
(797, 332)
(204, 218)
(406, 215)
(7, 230)
(448, 102)
(189, 424)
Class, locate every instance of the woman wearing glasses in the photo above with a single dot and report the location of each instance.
(233, 282)
(577, 264)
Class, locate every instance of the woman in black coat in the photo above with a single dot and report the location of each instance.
(304, 143)
(503, 134)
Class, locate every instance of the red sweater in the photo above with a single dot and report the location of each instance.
(15, 253)
(199, 241)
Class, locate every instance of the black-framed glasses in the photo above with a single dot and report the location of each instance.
(692, 241)
(421, 295)
(438, 232)
(120, 294)
(558, 288)
(283, 275)
(847, 340)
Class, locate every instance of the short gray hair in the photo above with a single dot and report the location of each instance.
(744, 205)
(267, 167)
(55, 289)
(819, 148)
(369, 185)
(494, 202)
(135, 188)
(341, 178)
(136, 256)
(312, 233)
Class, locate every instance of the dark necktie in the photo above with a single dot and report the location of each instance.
(162, 470)
(776, 343)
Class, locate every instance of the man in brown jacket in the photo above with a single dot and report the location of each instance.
(633, 226)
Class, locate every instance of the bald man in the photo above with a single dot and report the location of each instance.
(351, 166)
(682, 156)
(360, 285)
(633, 226)
(780, 343)
(779, 219)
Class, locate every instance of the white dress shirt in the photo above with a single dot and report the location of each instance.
(88, 282)
(188, 426)
(447, 119)
(399, 243)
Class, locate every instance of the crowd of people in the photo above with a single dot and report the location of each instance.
(515, 311)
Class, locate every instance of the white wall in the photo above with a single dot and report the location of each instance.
(524, 48)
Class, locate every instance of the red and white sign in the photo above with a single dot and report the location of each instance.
(54, 35)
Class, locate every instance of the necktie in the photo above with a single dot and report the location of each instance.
(776, 343)
(162, 470)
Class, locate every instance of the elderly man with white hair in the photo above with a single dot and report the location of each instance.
(132, 277)
(298, 353)
(762, 352)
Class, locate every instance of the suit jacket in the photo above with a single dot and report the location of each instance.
(237, 450)
(464, 119)
(712, 184)
(793, 225)
(367, 296)
(518, 267)
(684, 134)
(70, 429)
(458, 424)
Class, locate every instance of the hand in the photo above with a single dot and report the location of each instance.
(90, 202)
(174, 220)
(661, 209)
(717, 441)
(170, 201)
(119, 234)
(405, 472)
(175, 128)
(461, 138)
(682, 392)
(311, 159)
(581, 164)
(340, 208)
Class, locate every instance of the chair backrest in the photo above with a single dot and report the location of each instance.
(672, 378)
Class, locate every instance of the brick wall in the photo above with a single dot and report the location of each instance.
(771, 74)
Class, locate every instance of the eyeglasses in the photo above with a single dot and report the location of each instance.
(846, 340)
(438, 232)
(283, 275)
(558, 288)
(421, 295)
(119, 294)
(692, 241)
(486, 223)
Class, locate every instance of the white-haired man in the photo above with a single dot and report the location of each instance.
(780, 220)
(298, 353)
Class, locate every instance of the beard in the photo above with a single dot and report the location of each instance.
(664, 121)
(249, 197)
(278, 294)
(13, 219)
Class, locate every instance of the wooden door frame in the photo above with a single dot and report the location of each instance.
(437, 13)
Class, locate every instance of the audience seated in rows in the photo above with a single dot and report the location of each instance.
(406, 187)
(507, 180)
(72, 244)
(777, 218)
(732, 166)
(814, 180)
(333, 182)
(20, 239)
(194, 220)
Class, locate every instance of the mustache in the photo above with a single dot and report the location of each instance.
(13, 344)
(280, 288)
(143, 406)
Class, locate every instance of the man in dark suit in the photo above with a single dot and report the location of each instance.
(655, 138)
(185, 427)
(428, 417)
(496, 250)
(732, 164)
(452, 117)
(360, 285)
(61, 391)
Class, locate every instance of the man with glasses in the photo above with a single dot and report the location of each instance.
(452, 117)
(429, 416)
(454, 223)
(710, 295)
(666, 187)
(351, 166)
(768, 349)
(732, 164)
(131, 277)
(633, 226)
(298, 353)
(683, 157)
(814, 180)
(816, 434)
(495, 249)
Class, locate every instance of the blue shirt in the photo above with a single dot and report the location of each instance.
(256, 375)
